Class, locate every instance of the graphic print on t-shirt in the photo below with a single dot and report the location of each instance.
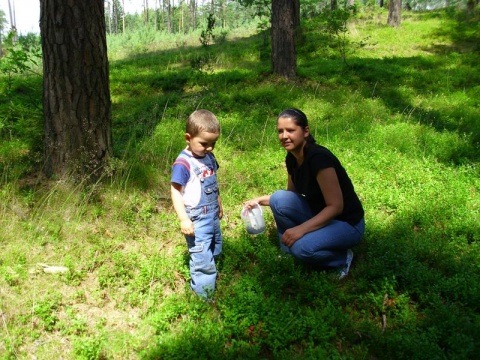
(183, 173)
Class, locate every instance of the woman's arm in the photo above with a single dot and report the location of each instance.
(290, 185)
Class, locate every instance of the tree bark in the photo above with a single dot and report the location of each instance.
(224, 14)
(123, 16)
(180, 20)
(76, 94)
(193, 7)
(145, 12)
(395, 13)
(284, 58)
(169, 16)
(333, 5)
(296, 14)
(471, 5)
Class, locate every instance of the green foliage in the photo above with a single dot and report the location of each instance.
(20, 56)
(261, 8)
(203, 62)
(114, 14)
(46, 311)
(175, 18)
(3, 21)
(88, 348)
(20, 106)
(207, 36)
(337, 24)
(402, 118)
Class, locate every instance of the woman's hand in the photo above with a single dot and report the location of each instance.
(261, 200)
(249, 204)
(290, 236)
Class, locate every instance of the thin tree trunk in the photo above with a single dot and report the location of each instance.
(123, 16)
(333, 5)
(115, 16)
(194, 14)
(471, 4)
(224, 14)
(145, 12)
(180, 25)
(109, 12)
(284, 56)
(169, 17)
(13, 20)
(155, 15)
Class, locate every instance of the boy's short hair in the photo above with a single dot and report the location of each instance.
(202, 120)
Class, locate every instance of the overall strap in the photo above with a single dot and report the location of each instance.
(196, 169)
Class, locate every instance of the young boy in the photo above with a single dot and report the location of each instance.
(196, 199)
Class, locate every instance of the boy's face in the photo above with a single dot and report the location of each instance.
(203, 143)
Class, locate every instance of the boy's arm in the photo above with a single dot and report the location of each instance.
(220, 207)
(186, 225)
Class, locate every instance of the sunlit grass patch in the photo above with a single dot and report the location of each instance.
(402, 118)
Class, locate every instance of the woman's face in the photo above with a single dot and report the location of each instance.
(292, 136)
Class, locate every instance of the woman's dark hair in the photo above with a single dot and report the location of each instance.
(300, 119)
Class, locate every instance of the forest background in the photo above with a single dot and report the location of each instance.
(398, 106)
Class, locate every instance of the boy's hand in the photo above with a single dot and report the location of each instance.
(186, 226)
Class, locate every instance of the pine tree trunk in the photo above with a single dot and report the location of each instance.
(224, 14)
(180, 20)
(471, 5)
(333, 5)
(395, 13)
(284, 56)
(194, 14)
(169, 17)
(123, 16)
(76, 94)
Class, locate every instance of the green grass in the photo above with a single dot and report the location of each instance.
(403, 118)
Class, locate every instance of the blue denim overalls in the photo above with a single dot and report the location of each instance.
(206, 244)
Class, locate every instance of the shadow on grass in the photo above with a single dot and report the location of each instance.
(166, 85)
(403, 299)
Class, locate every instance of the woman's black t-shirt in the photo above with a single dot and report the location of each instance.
(304, 178)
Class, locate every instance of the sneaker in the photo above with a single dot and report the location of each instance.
(344, 271)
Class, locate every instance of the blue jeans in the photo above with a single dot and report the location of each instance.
(204, 247)
(326, 247)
